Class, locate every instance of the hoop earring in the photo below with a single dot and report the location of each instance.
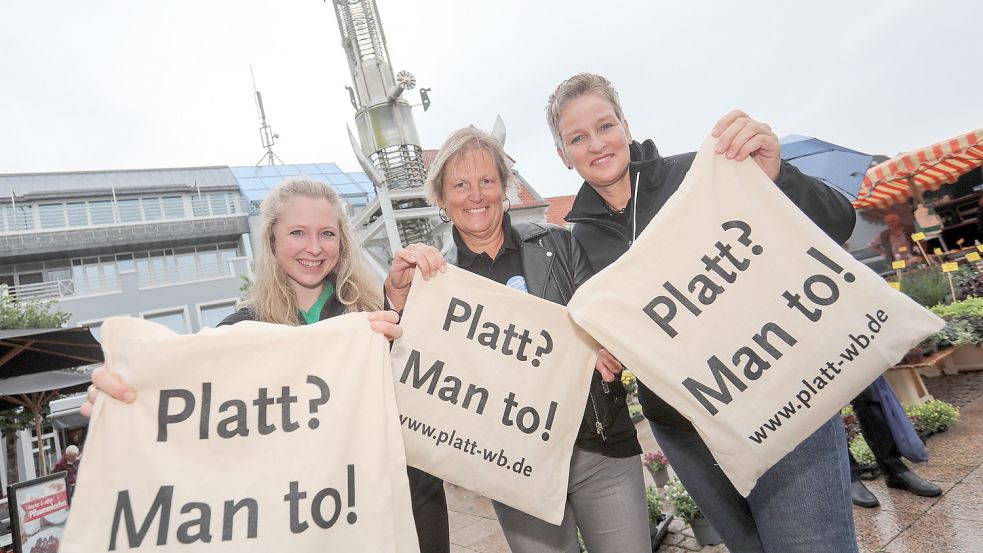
(508, 204)
(442, 213)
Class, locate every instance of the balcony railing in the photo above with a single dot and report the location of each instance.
(67, 288)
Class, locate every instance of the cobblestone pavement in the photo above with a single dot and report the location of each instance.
(951, 523)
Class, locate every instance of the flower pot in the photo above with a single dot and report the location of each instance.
(658, 530)
(661, 477)
(704, 532)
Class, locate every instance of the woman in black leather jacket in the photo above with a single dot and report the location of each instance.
(606, 495)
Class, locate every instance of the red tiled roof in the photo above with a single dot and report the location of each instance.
(558, 207)
(528, 198)
(428, 157)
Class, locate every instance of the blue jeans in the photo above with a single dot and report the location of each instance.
(800, 505)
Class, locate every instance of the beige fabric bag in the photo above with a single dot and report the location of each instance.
(491, 384)
(742, 314)
(322, 470)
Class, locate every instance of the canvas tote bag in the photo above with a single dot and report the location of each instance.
(491, 385)
(744, 316)
(251, 437)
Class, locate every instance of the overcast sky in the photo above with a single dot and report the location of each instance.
(122, 84)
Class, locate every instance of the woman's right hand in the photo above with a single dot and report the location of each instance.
(405, 262)
(105, 381)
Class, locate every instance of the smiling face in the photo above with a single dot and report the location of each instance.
(594, 141)
(306, 245)
(472, 196)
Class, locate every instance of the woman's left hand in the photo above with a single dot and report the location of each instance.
(607, 365)
(738, 136)
(386, 323)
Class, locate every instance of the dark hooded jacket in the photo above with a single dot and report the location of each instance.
(605, 235)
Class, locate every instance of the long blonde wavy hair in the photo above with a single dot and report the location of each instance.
(271, 298)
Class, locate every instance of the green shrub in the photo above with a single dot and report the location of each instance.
(957, 332)
(967, 307)
(926, 286)
(861, 452)
(654, 502)
(682, 504)
(934, 415)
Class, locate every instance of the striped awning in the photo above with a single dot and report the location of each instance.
(890, 182)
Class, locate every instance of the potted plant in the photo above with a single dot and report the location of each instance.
(685, 508)
(658, 519)
(932, 417)
(864, 457)
(658, 466)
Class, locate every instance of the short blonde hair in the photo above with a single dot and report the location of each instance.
(460, 141)
(573, 88)
(271, 298)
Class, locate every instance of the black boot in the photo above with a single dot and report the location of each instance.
(915, 484)
(862, 497)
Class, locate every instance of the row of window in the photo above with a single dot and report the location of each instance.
(89, 213)
(159, 266)
(209, 315)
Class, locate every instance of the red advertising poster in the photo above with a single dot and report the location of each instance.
(38, 512)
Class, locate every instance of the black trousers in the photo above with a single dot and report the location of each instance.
(429, 511)
(874, 427)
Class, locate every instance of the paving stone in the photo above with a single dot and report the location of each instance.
(474, 533)
(939, 533)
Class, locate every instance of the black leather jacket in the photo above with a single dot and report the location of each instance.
(554, 266)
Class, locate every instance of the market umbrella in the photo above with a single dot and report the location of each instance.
(841, 168)
(30, 350)
(34, 391)
(892, 181)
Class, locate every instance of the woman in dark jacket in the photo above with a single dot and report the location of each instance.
(801, 504)
(310, 268)
(606, 493)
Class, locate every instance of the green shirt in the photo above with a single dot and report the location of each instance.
(313, 315)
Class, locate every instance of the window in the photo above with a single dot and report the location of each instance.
(129, 211)
(213, 314)
(151, 209)
(52, 215)
(199, 206)
(173, 207)
(185, 259)
(124, 262)
(219, 203)
(101, 212)
(19, 218)
(58, 270)
(173, 320)
(78, 215)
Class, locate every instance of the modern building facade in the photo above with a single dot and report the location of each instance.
(173, 246)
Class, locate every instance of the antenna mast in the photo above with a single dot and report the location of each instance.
(266, 136)
(390, 151)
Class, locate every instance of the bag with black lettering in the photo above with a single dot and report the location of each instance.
(739, 312)
(253, 437)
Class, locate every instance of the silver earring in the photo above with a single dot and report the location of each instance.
(442, 213)
(508, 204)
